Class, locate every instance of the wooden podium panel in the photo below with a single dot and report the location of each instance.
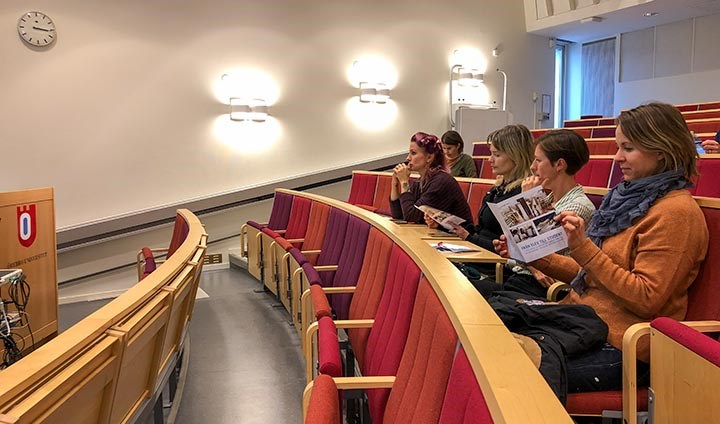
(27, 242)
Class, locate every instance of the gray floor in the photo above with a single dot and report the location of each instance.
(246, 364)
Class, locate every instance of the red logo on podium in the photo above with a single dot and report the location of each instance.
(27, 225)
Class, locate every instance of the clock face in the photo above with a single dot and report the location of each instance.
(36, 29)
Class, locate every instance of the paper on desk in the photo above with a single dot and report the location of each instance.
(454, 248)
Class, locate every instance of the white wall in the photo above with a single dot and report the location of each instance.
(118, 114)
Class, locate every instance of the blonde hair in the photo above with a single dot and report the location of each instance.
(660, 128)
(516, 141)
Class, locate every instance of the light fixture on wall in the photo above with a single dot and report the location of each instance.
(466, 87)
(374, 93)
(255, 110)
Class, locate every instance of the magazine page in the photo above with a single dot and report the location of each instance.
(528, 225)
(441, 217)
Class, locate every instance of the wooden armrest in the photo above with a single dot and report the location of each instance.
(336, 290)
(354, 323)
(295, 240)
(366, 382)
(554, 289)
(320, 268)
(281, 232)
(629, 363)
(310, 252)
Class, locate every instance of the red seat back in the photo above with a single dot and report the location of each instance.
(180, 232)
(481, 148)
(708, 184)
(392, 321)
(595, 173)
(419, 389)
(369, 289)
(280, 213)
(317, 224)
(298, 221)
(702, 295)
(476, 196)
(464, 401)
(381, 203)
(324, 405)
(362, 189)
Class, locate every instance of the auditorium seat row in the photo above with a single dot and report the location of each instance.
(405, 309)
(711, 111)
(699, 126)
(393, 348)
(600, 171)
(113, 365)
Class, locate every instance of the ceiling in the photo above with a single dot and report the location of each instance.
(630, 19)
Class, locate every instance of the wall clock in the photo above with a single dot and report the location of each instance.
(36, 29)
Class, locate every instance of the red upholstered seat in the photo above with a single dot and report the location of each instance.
(146, 260)
(704, 126)
(418, 393)
(381, 202)
(616, 176)
(349, 264)
(465, 187)
(601, 132)
(280, 213)
(362, 188)
(298, 220)
(476, 196)
(317, 225)
(708, 106)
(479, 161)
(320, 303)
(332, 243)
(481, 148)
(369, 289)
(324, 406)
(180, 232)
(464, 402)
(329, 353)
(602, 147)
(487, 171)
(595, 173)
(387, 337)
(708, 184)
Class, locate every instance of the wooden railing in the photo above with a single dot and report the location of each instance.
(110, 365)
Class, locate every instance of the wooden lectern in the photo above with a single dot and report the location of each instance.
(27, 242)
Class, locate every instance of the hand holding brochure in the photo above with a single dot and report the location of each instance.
(529, 225)
(441, 217)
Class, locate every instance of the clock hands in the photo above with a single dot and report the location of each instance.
(41, 29)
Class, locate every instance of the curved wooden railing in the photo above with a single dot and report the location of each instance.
(107, 367)
(512, 386)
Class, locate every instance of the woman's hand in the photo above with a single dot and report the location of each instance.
(541, 277)
(574, 227)
(500, 246)
(710, 146)
(402, 173)
(460, 231)
(431, 222)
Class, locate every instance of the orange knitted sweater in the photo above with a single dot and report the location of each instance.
(642, 272)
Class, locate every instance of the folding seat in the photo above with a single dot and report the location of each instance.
(486, 170)
(616, 175)
(250, 232)
(324, 405)
(378, 330)
(481, 148)
(479, 162)
(346, 272)
(294, 233)
(595, 173)
(706, 184)
(381, 202)
(585, 132)
(368, 291)
(147, 260)
(540, 131)
(704, 125)
(416, 393)
(687, 108)
(601, 132)
(708, 106)
(702, 305)
(464, 401)
(362, 188)
(478, 191)
(464, 184)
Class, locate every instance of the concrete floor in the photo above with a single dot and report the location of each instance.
(246, 364)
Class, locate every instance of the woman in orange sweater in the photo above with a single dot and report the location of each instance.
(643, 247)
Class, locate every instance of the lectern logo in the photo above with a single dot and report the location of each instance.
(27, 225)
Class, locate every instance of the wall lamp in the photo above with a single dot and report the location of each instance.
(241, 109)
(374, 93)
(469, 77)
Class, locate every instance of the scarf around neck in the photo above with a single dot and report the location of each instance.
(625, 203)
